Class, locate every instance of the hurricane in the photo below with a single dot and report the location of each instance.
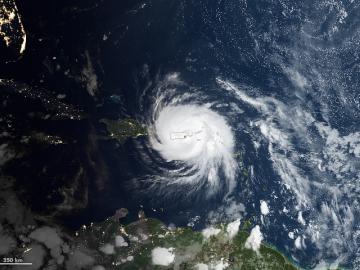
(191, 140)
(197, 136)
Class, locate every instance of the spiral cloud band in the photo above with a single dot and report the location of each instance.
(200, 140)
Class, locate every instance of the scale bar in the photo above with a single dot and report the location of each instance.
(15, 263)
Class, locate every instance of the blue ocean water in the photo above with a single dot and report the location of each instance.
(284, 75)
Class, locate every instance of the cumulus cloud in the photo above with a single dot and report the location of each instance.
(221, 265)
(162, 256)
(208, 232)
(108, 249)
(50, 238)
(264, 208)
(297, 242)
(46, 235)
(233, 228)
(120, 241)
(201, 266)
(254, 240)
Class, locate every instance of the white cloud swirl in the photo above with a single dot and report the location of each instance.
(196, 141)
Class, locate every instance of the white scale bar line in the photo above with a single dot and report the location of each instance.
(15, 263)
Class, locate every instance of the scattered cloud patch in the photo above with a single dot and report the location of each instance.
(208, 232)
(300, 242)
(301, 219)
(89, 76)
(254, 240)
(48, 236)
(120, 241)
(297, 78)
(130, 258)
(162, 256)
(230, 210)
(201, 266)
(221, 265)
(107, 249)
(233, 228)
(264, 208)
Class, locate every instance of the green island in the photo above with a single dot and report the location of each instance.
(123, 129)
(132, 246)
